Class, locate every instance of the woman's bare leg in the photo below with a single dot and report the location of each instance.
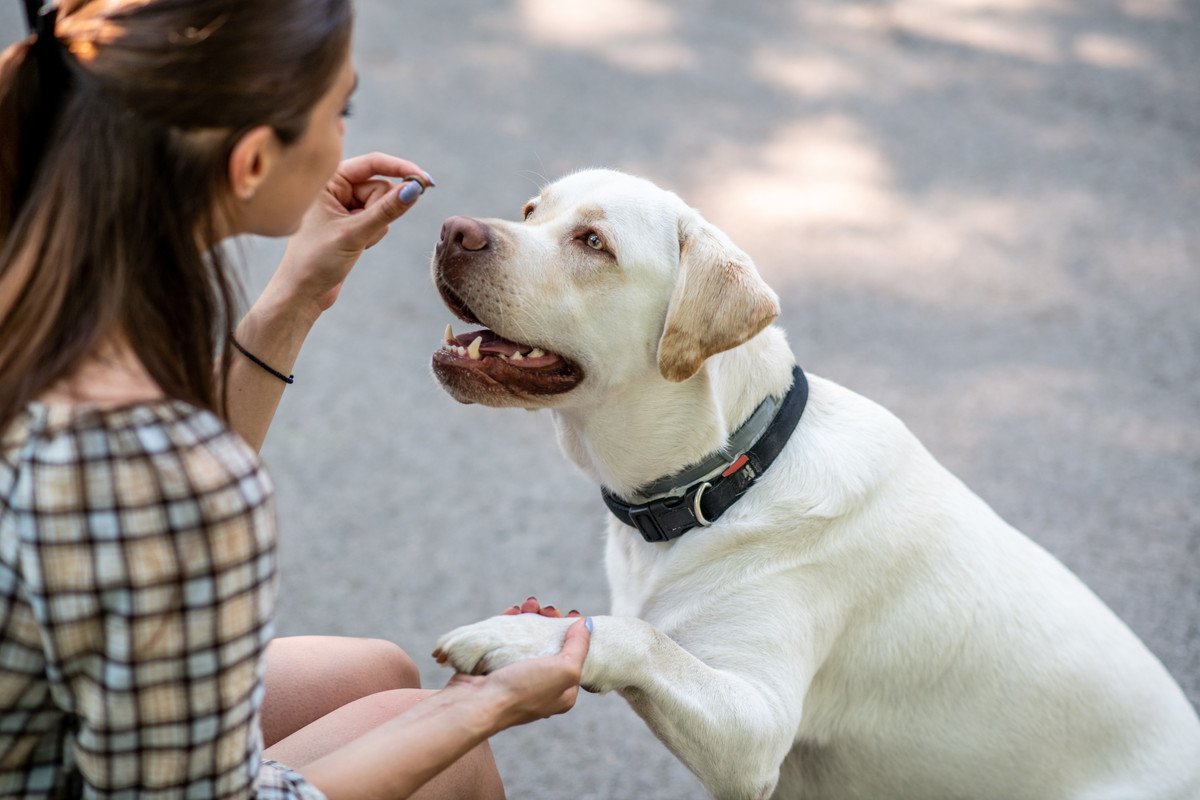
(472, 777)
(325, 691)
(307, 677)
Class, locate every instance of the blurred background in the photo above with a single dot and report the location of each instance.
(982, 214)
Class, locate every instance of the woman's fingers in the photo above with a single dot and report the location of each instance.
(366, 193)
(531, 606)
(387, 206)
(361, 181)
(370, 165)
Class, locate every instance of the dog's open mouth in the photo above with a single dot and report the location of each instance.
(518, 369)
(484, 367)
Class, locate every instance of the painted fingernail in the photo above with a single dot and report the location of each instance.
(410, 191)
(428, 179)
(587, 623)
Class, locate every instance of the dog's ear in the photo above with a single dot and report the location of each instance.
(719, 301)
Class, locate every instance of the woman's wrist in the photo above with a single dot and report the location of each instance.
(490, 703)
(274, 329)
(285, 302)
(271, 333)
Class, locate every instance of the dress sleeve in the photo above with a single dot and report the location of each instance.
(157, 566)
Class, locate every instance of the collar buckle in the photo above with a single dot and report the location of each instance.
(669, 518)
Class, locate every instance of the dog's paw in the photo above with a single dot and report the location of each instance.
(497, 642)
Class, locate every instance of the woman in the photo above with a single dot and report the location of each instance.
(137, 541)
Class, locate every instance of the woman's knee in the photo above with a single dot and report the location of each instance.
(307, 677)
(388, 662)
(364, 665)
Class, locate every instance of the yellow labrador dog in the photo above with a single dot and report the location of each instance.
(805, 604)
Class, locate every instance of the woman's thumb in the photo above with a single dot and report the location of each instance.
(578, 639)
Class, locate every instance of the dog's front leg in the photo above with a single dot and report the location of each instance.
(731, 727)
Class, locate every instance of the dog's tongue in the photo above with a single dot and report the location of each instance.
(492, 344)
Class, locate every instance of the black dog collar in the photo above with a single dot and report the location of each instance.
(691, 502)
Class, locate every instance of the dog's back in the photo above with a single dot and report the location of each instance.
(969, 662)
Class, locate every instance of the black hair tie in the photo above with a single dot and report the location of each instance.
(53, 82)
(47, 48)
(31, 12)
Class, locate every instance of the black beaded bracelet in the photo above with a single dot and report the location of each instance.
(261, 363)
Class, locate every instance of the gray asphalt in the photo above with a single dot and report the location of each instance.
(982, 215)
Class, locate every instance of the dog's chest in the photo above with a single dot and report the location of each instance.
(634, 573)
(658, 583)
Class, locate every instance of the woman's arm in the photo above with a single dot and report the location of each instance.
(352, 214)
(398, 757)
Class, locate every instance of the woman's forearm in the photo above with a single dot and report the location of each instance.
(273, 330)
(400, 756)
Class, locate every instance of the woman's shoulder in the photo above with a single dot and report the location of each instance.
(143, 452)
(142, 427)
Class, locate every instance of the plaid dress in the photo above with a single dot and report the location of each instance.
(137, 590)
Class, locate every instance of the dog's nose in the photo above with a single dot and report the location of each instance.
(464, 233)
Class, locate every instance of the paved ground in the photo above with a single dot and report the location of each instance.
(981, 213)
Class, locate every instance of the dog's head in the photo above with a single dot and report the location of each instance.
(607, 279)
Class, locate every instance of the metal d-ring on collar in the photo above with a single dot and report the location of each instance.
(700, 518)
(687, 500)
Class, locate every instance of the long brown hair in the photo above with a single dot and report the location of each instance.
(113, 168)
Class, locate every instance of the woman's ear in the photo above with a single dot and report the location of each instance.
(250, 160)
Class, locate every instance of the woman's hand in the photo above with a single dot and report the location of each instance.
(350, 215)
(532, 606)
(397, 757)
(536, 688)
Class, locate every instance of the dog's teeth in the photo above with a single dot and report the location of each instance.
(449, 336)
(462, 351)
(536, 352)
(517, 356)
(473, 349)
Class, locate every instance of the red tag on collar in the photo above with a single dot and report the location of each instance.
(736, 465)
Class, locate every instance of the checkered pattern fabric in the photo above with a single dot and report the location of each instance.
(137, 588)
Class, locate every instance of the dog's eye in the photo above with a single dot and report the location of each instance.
(529, 208)
(593, 241)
